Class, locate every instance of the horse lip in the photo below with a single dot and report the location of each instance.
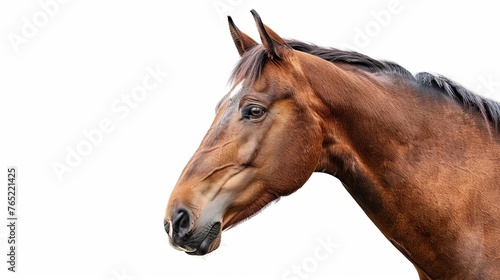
(206, 243)
(186, 249)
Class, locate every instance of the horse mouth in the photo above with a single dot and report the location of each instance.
(210, 242)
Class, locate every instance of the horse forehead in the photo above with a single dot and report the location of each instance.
(235, 89)
(274, 83)
(230, 92)
(225, 116)
(280, 77)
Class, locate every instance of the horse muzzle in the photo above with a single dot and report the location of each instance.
(185, 236)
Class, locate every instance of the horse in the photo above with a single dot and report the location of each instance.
(420, 153)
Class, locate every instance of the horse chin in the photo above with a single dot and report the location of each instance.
(210, 242)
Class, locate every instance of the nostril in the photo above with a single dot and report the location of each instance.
(181, 223)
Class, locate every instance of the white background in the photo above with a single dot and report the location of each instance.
(104, 219)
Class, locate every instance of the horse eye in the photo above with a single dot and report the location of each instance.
(253, 112)
(256, 111)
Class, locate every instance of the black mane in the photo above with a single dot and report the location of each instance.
(252, 62)
(351, 57)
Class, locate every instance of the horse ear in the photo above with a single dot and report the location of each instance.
(270, 39)
(242, 41)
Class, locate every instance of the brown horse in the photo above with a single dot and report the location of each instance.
(420, 154)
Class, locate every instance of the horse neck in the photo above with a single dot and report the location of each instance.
(409, 161)
(366, 121)
(366, 128)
